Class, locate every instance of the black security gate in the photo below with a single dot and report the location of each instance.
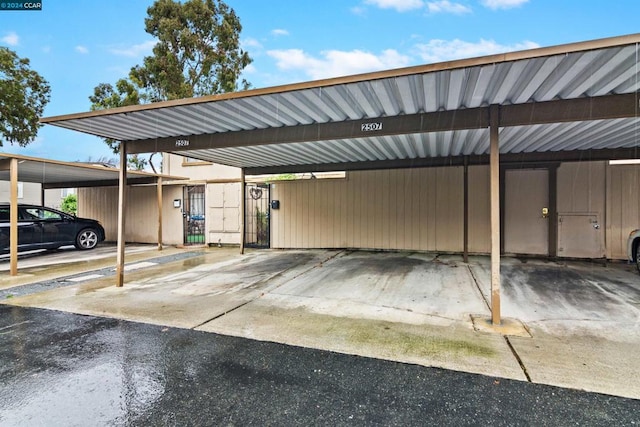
(257, 217)
(193, 214)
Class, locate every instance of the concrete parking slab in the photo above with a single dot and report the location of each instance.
(410, 307)
(584, 319)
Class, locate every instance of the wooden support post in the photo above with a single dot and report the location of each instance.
(465, 253)
(159, 189)
(494, 167)
(122, 176)
(13, 218)
(243, 207)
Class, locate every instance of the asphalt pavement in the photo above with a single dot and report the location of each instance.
(60, 368)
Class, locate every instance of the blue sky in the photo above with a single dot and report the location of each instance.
(76, 44)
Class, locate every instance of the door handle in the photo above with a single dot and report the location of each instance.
(545, 212)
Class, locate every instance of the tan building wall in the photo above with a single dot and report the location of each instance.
(175, 165)
(623, 207)
(222, 195)
(413, 209)
(141, 215)
(419, 209)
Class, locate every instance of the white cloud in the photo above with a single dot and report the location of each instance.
(502, 4)
(357, 10)
(136, 50)
(399, 5)
(444, 50)
(11, 39)
(334, 63)
(251, 42)
(280, 32)
(82, 49)
(445, 6)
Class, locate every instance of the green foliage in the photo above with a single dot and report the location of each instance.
(197, 53)
(106, 96)
(262, 226)
(23, 96)
(283, 177)
(70, 204)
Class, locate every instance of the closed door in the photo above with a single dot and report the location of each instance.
(526, 216)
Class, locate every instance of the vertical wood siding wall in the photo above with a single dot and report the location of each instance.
(414, 209)
(623, 207)
(141, 223)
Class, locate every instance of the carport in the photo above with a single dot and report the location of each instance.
(57, 174)
(565, 103)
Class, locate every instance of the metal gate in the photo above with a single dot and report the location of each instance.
(257, 215)
(193, 214)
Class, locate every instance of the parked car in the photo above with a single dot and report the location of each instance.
(633, 248)
(46, 228)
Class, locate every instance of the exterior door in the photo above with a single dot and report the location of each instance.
(526, 225)
(193, 215)
(257, 216)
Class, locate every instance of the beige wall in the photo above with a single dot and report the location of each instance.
(31, 192)
(141, 223)
(197, 171)
(479, 210)
(417, 209)
(623, 207)
(414, 209)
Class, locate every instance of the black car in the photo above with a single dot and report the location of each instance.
(46, 228)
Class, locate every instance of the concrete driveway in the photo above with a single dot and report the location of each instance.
(572, 324)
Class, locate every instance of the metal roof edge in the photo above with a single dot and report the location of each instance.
(88, 166)
(356, 78)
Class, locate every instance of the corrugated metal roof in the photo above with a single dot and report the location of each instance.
(52, 173)
(581, 70)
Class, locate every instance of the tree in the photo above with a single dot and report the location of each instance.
(23, 96)
(197, 53)
(106, 96)
(70, 204)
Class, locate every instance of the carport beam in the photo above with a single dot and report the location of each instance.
(494, 167)
(122, 176)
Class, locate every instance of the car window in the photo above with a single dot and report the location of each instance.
(4, 214)
(41, 213)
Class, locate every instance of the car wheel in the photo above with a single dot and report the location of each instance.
(86, 239)
(637, 255)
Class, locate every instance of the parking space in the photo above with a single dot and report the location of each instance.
(67, 255)
(582, 320)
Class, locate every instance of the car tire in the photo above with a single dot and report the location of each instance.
(637, 254)
(86, 239)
